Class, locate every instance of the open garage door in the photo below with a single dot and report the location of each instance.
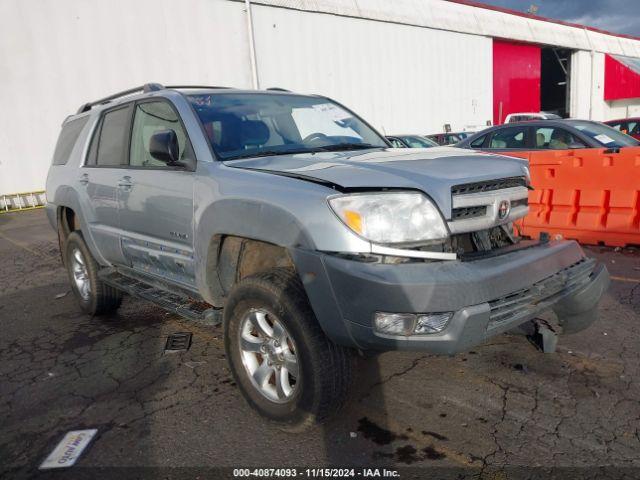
(529, 78)
(554, 80)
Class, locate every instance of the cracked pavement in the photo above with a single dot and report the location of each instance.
(502, 405)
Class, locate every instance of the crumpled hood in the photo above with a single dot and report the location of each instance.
(431, 170)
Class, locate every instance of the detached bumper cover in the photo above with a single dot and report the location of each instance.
(488, 296)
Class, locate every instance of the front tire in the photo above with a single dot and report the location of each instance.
(94, 296)
(285, 366)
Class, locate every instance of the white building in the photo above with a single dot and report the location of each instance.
(407, 66)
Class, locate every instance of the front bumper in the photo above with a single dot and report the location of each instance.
(488, 296)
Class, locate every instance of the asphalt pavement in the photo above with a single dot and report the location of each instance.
(501, 408)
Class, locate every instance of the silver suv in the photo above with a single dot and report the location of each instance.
(294, 223)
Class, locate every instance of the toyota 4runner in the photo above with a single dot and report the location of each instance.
(294, 223)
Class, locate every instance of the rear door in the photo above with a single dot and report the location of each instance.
(156, 200)
(98, 180)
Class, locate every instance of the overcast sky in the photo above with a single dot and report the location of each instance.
(618, 16)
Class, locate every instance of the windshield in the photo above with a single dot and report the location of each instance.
(605, 135)
(241, 125)
(418, 142)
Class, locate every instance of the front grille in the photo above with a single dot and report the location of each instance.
(468, 212)
(521, 302)
(488, 185)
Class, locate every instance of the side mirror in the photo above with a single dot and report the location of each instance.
(575, 145)
(163, 146)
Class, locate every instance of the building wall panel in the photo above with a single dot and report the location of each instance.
(458, 17)
(57, 54)
(402, 79)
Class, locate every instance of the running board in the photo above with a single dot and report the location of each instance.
(183, 305)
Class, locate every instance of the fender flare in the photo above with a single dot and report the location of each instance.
(248, 219)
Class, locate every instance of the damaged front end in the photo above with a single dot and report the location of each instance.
(482, 223)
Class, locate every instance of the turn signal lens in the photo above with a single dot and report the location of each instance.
(353, 221)
(432, 323)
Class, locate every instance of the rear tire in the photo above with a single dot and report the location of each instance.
(285, 366)
(94, 296)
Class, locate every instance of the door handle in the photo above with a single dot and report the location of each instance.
(84, 179)
(125, 183)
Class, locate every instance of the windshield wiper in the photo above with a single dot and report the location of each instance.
(325, 148)
(271, 153)
(347, 146)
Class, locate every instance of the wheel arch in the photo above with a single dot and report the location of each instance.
(68, 204)
(236, 238)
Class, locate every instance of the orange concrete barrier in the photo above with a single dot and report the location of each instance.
(587, 195)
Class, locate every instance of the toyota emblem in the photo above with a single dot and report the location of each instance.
(503, 209)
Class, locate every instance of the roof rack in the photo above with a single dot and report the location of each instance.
(278, 89)
(195, 86)
(146, 88)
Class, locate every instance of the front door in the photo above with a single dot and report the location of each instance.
(156, 200)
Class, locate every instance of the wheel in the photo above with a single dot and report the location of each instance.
(285, 366)
(95, 296)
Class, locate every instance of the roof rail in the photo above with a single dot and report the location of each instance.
(195, 86)
(278, 89)
(146, 88)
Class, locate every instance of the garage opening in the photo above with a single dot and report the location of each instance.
(554, 80)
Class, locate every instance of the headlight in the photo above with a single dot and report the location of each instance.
(391, 217)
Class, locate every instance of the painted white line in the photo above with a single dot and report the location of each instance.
(69, 449)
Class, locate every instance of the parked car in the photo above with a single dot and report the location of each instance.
(548, 135)
(290, 220)
(629, 126)
(445, 138)
(410, 141)
(527, 116)
(464, 135)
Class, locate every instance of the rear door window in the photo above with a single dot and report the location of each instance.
(509, 138)
(111, 139)
(554, 138)
(67, 139)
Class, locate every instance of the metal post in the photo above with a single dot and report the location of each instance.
(593, 66)
(252, 46)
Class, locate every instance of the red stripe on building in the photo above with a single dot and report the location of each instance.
(620, 79)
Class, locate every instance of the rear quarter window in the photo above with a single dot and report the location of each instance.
(67, 139)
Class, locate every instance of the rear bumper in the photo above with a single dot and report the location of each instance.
(487, 296)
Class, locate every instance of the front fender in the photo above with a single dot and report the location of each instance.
(243, 218)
